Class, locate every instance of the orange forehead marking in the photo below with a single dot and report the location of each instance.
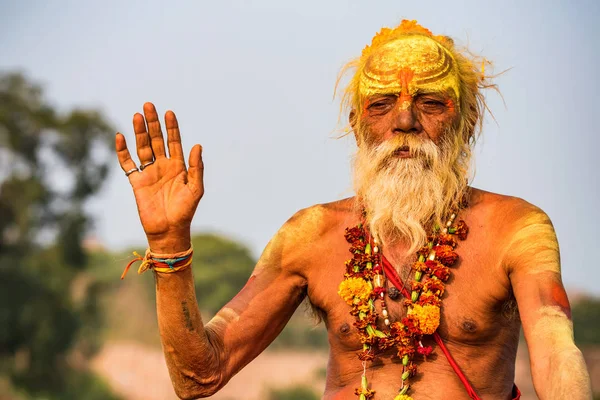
(405, 75)
(450, 105)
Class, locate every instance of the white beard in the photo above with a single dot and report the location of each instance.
(405, 197)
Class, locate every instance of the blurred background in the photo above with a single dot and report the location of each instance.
(252, 81)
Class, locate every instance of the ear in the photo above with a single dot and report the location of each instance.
(352, 121)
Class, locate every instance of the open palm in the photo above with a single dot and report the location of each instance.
(166, 193)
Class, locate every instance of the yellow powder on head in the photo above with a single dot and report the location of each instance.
(409, 64)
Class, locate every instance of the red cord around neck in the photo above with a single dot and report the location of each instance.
(392, 275)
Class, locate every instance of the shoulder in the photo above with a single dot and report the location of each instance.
(526, 236)
(512, 213)
(302, 234)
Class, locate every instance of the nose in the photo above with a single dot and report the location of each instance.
(406, 120)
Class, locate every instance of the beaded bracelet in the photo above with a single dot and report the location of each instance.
(163, 263)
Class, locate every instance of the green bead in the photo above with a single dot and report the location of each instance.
(414, 296)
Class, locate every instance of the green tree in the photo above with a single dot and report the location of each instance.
(586, 321)
(50, 164)
(221, 269)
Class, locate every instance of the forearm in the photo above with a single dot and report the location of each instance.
(557, 365)
(193, 357)
(565, 376)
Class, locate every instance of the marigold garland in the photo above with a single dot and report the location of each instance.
(364, 284)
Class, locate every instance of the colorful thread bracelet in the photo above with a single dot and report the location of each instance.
(163, 263)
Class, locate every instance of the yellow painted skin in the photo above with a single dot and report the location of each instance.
(533, 262)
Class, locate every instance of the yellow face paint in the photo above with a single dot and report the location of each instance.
(409, 65)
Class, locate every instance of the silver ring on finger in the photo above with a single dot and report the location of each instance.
(131, 171)
(146, 165)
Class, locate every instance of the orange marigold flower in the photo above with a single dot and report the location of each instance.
(429, 298)
(427, 317)
(405, 351)
(434, 286)
(445, 254)
(352, 288)
(420, 266)
(423, 251)
(446, 238)
(412, 369)
(368, 393)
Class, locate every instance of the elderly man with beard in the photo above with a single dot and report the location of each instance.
(424, 305)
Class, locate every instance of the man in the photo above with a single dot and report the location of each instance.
(415, 105)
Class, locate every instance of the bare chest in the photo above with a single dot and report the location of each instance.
(477, 306)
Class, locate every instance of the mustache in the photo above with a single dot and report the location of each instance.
(387, 152)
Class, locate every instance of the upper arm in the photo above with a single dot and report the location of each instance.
(256, 315)
(532, 261)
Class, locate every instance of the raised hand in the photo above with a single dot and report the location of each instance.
(165, 192)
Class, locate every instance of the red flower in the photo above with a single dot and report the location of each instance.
(355, 234)
(441, 272)
(425, 351)
(462, 230)
(417, 286)
(432, 265)
(411, 324)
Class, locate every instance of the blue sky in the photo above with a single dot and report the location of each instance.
(253, 82)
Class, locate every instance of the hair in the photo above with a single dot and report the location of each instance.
(470, 69)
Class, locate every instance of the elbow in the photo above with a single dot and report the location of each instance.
(190, 387)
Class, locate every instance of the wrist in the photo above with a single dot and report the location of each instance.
(170, 243)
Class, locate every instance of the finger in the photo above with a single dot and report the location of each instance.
(156, 138)
(173, 136)
(142, 139)
(196, 170)
(125, 160)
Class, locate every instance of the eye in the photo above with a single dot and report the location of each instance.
(431, 105)
(381, 105)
